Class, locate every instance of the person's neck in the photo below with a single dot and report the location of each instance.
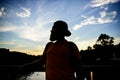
(61, 40)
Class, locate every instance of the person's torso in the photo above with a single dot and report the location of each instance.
(58, 63)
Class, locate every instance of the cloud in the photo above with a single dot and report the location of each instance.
(7, 28)
(38, 32)
(82, 45)
(26, 13)
(104, 18)
(7, 42)
(87, 21)
(104, 8)
(2, 11)
(33, 33)
(117, 40)
(98, 3)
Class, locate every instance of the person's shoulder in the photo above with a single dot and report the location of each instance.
(48, 43)
(72, 43)
(73, 46)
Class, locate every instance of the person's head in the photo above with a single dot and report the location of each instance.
(59, 30)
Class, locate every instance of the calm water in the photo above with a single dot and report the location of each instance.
(34, 76)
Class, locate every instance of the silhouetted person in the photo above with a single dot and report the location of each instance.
(61, 57)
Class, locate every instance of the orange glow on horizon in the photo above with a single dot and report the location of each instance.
(31, 52)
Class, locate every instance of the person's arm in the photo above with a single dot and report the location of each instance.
(42, 60)
(35, 65)
(79, 70)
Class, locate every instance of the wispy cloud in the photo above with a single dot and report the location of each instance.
(12, 42)
(104, 18)
(38, 32)
(33, 33)
(7, 28)
(104, 8)
(2, 11)
(26, 13)
(86, 21)
(98, 3)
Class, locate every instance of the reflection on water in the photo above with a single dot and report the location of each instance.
(91, 75)
(41, 76)
(34, 76)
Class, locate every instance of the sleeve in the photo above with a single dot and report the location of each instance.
(78, 62)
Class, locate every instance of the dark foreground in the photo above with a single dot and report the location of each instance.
(100, 72)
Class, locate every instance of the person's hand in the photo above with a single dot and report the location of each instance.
(25, 70)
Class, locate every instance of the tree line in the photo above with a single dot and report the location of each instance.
(15, 58)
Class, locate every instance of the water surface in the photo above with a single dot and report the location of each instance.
(34, 76)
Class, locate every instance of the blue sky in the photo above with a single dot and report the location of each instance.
(25, 24)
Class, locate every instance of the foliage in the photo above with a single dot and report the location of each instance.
(103, 50)
(104, 40)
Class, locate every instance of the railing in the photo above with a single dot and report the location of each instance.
(91, 72)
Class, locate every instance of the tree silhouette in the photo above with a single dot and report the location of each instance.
(104, 47)
(104, 40)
